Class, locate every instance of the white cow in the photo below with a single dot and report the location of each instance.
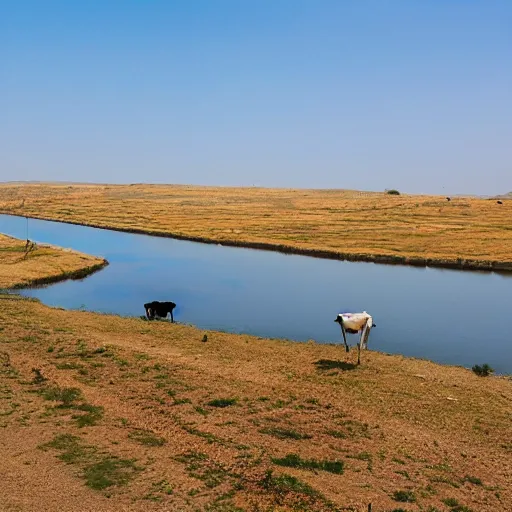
(354, 323)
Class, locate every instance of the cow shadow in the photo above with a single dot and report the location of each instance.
(329, 364)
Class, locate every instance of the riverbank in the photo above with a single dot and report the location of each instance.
(108, 413)
(22, 266)
(464, 233)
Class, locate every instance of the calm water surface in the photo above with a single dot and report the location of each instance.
(448, 316)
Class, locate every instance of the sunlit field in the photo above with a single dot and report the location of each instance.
(22, 265)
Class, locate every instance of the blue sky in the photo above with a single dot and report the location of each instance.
(407, 94)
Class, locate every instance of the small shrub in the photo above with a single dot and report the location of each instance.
(451, 502)
(393, 192)
(482, 371)
(404, 496)
(222, 402)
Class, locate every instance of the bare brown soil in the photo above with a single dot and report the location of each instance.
(22, 265)
(465, 233)
(198, 425)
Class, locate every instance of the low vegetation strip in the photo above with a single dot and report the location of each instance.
(466, 233)
(23, 265)
(143, 416)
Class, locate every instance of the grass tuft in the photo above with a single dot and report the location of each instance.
(222, 402)
(293, 460)
(283, 433)
(99, 470)
(146, 438)
(404, 496)
(109, 471)
(65, 395)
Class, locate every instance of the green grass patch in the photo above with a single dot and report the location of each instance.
(68, 398)
(199, 466)
(295, 493)
(210, 438)
(293, 460)
(283, 433)
(404, 496)
(163, 487)
(222, 402)
(69, 366)
(350, 428)
(93, 414)
(100, 470)
(73, 451)
(473, 480)
(109, 471)
(146, 438)
(65, 395)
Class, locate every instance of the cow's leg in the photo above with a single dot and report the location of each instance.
(360, 344)
(148, 313)
(344, 337)
(366, 336)
(172, 317)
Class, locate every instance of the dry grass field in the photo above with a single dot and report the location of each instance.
(102, 413)
(40, 264)
(463, 232)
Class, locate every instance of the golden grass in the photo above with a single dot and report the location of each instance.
(464, 233)
(395, 423)
(41, 264)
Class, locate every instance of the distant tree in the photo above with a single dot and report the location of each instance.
(393, 192)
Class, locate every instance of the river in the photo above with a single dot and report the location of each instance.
(449, 316)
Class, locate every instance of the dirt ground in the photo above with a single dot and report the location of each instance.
(412, 229)
(102, 413)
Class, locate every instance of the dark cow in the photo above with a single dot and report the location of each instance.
(157, 309)
(499, 202)
(448, 198)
